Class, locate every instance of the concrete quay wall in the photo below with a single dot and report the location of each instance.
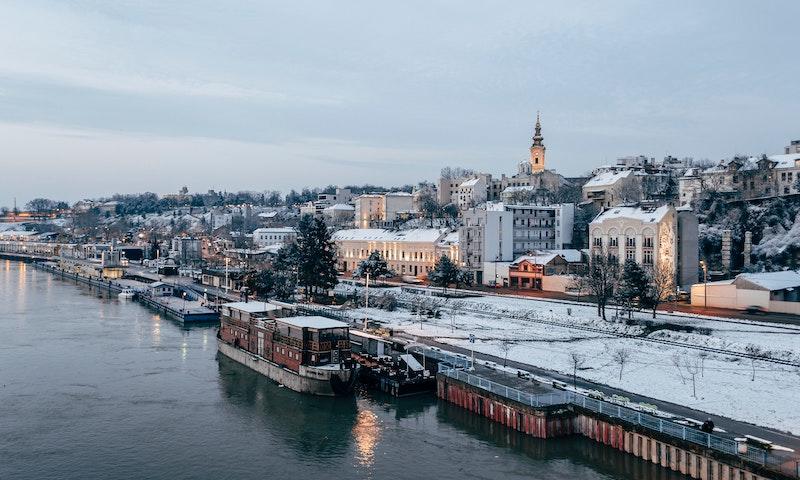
(560, 420)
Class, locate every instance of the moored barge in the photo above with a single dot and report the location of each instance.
(306, 354)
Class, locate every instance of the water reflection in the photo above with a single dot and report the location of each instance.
(315, 427)
(576, 451)
(366, 432)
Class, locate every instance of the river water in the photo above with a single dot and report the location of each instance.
(92, 387)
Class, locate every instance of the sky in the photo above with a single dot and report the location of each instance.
(100, 97)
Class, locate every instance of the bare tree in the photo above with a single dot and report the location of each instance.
(755, 353)
(702, 355)
(577, 360)
(662, 284)
(631, 192)
(601, 280)
(505, 346)
(621, 357)
(692, 367)
(677, 361)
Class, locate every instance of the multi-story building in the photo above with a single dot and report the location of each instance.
(407, 252)
(747, 178)
(381, 209)
(187, 249)
(793, 147)
(612, 186)
(540, 227)
(339, 214)
(263, 237)
(690, 186)
(651, 237)
(485, 237)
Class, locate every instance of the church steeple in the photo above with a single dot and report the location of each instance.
(537, 148)
(537, 135)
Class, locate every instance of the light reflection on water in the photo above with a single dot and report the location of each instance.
(366, 432)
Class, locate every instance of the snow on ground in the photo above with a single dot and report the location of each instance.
(724, 383)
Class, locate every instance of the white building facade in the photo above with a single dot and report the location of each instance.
(651, 237)
(485, 237)
(263, 237)
(407, 252)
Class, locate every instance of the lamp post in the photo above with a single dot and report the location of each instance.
(366, 302)
(227, 261)
(184, 302)
(705, 283)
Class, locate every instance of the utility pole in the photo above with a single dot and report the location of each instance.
(227, 260)
(366, 302)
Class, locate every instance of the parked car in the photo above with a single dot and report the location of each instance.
(754, 309)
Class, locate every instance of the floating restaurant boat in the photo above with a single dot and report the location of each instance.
(306, 354)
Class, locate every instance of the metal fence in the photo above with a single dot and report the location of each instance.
(727, 446)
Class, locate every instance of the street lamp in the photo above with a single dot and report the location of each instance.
(705, 283)
(184, 302)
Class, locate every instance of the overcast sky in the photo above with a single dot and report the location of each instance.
(98, 97)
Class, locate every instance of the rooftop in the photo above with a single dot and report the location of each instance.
(607, 178)
(275, 230)
(773, 280)
(635, 213)
(252, 307)
(379, 234)
(315, 322)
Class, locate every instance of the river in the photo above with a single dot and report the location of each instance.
(92, 387)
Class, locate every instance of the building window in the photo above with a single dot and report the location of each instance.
(630, 242)
(647, 258)
(613, 242)
(648, 242)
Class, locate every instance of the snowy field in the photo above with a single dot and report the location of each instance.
(542, 334)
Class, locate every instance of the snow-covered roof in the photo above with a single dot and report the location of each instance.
(523, 188)
(267, 214)
(608, 178)
(786, 161)
(17, 233)
(341, 207)
(379, 234)
(469, 183)
(312, 322)
(449, 239)
(275, 230)
(159, 284)
(772, 280)
(398, 194)
(536, 259)
(634, 213)
(570, 255)
(252, 307)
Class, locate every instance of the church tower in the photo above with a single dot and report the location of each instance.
(537, 148)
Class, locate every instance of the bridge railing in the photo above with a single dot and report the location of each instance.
(772, 460)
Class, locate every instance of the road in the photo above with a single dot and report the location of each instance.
(663, 309)
(733, 427)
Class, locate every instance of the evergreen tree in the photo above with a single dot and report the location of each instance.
(446, 273)
(633, 284)
(374, 266)
(316, 256)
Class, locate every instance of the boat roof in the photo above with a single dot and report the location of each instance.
(252, 307)
(313, 321)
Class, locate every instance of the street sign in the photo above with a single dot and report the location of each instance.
(471, 338)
